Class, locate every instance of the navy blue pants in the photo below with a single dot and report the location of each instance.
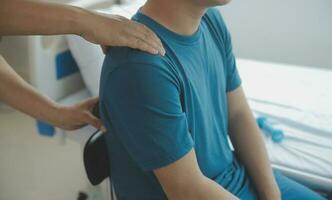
(290, 190)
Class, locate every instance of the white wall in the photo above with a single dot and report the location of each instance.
(294, 31)
(13, 49)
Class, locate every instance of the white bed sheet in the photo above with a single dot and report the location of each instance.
(297, 100)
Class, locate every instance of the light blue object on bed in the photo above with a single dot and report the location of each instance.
(277, 135)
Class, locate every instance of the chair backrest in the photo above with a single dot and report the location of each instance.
(95, 156)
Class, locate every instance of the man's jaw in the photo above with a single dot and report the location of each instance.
(211, 3)
(182, 17)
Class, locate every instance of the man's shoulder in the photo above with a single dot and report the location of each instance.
(129, 68)
(120, 57)
(126, 55)
(214, 15)
(215, 22)
(135, 63)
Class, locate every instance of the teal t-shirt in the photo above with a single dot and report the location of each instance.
(156, 109)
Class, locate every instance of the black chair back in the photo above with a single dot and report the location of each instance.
(95, 156)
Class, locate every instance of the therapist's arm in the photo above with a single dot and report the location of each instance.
(183, 180)
(23, 17)
(17, 93)
(249, 145)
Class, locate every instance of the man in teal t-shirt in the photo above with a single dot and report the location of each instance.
(169, 117)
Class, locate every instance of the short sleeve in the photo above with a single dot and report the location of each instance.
(144, 107)
(233, 77)
(216, 21)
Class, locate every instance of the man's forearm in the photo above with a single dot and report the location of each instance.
(212, 190)
(184, 180)
(31, 18)
(206, 189)
(250, 150)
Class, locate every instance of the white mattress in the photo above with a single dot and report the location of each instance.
(297, 100)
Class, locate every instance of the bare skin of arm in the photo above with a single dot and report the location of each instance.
(17, 93)
(22, 17)
(183, 180)
(249, 145)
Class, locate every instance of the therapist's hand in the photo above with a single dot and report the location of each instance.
(114, 30)
(78, 115)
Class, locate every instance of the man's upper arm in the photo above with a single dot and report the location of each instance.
(237, 103)
(181, 178)
(233, 80)
(143, 104)
(184, 180)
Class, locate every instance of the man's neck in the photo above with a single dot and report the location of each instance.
(182, 17)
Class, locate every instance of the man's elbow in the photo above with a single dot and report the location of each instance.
(185, 191)
(205, 189)
(183, 180)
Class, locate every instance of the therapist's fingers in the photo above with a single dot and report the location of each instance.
(114, 30)
(147, 37)
(89, 118)
(104, 49)
(138, 43)
(77, 115)
(89, 104)
(138, 36)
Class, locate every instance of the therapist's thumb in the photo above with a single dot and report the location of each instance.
(94, 121)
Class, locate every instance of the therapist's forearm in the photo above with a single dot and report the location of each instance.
(20, 17)
(23, 17)
(17, 93)
(250, 150)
